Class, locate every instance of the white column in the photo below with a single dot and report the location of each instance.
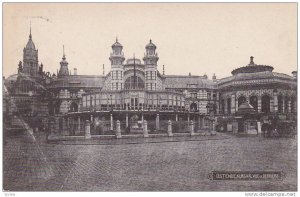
(272, 105)
(118, 130)
(127, 120)
(145, 129)
(233, 104)
(192, 128)
(289, 106)
(111, 122)
(157, 121)
(275, 103)
(258, 127)
(87, 130)
(142, 121)
(78, 123)
(170, 134)
(259, 104)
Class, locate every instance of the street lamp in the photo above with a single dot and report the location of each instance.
(111, 102)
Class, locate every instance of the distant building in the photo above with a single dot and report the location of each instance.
(136, 90)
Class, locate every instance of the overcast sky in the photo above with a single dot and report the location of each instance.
(198, 38)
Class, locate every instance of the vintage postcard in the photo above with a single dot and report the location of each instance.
(150, 97)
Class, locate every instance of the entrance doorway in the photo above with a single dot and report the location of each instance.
(134, 103)
(240, 126)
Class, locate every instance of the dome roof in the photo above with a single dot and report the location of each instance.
(252, 68)
(116, 44)
(30, 45)
(133, 60)
(150, 45)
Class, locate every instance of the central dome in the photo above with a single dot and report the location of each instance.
(132, 61)
(30, 45)
(252, 68)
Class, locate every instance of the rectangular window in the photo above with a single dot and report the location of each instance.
(214, 96)
(193, 95)
(88, 101)
(208, 96)
(84, 101)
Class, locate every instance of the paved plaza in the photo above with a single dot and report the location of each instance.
(31, 164)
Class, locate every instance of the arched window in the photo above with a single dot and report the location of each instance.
(51, 108)
(74, 107)
(134, 83)
(57, 107)
(222, 106)
(286, 104)
(229, 105)
(254, 102)
(193, 107)
(241, 100)
(293, 104)
(280, 104)
(265, 104)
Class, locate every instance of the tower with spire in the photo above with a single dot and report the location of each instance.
(63, 71)
(30, 58)
(117, 70)
(150, 61)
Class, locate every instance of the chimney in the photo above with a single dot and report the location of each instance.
(75, 71)
(294, 73)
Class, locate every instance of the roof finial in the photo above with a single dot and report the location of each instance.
(117, 39)
(64, 56)
(150, 40)
(103, 70)
(163, 69)
(251, 60)
(30, 31)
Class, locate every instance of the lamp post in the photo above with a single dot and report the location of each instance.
(111, 102)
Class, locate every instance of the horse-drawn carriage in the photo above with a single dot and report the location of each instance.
(279, 128)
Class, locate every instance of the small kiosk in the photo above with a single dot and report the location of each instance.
(246, 120)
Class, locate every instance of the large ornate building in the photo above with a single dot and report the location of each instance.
(135, 90)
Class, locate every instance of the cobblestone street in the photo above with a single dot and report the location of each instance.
(32, 165)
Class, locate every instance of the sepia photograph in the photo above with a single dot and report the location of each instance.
(148, 97)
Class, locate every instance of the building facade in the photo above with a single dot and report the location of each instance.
(134, 91)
